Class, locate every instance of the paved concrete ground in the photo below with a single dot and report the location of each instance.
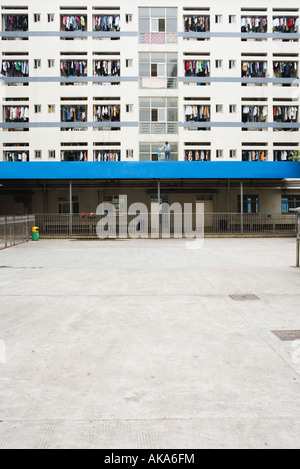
(137, 344)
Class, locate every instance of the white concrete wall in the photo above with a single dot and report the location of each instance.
(224, 138)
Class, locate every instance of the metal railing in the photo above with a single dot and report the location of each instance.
(164, 225)
(15, 230)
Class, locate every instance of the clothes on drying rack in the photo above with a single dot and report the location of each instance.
(74, 23)
(197, 24)
(106, 113)
(107, 68)
(12, 68)
(285, 69)
(254, 24)
(197, 68)
(16, 156)
(16, 22)
(197, 113)
(73, 68)
(286, 24)
(253, 155)
(107, 23)
(74, 113)
(254, 113)
(253, 69)
(197, 155)
(285, 113)
(74, 155)
(285, 155)
(107, 155)
(16, 113)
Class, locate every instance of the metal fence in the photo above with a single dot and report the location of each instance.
(15, 230)
(166, 225)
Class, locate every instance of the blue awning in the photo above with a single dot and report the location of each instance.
(149, 170)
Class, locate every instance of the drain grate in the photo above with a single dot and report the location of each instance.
(287, 336)
(244, 297)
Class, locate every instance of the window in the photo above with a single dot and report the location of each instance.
(233, 153)
(37, 63)
(151, 151)
(220, 153)
(51, 63)
(37, 17)
(51, 154)
(128, 18)
(219, 63)
(129, 63)
(232, 108)
(219, 19)
(158, 25)
(232, 64)
(250, 204)
(38, 154)
(129, 154)
(37, 109)
(51, 109)
(64, 204)
(232, 19)
(158, 70)
(50, 18)
(158, 115)
(129, 107)
(288, 202)
(219, 108)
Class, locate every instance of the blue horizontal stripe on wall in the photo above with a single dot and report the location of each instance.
(149, 170)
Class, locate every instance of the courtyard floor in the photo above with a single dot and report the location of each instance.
(149, 344)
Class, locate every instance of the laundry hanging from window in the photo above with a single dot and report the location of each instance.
(285, 113)
(107, 68)
(197, 24)
(253, 69)
(254, 155)
(107, 113)
(107, 155)
(197, 155)
(74, 114)
(197, 68)
(286, 155)
(73, 68)
(74, 23)
(254, 113)
(285, 69)
(286, 25)
(16, 22)
(197, 113)
(254, 24)
(107, 23)
(16, 114)
(16, 156)
(12, 68)
(74, 155)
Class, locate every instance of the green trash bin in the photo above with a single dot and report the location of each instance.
(35, 233)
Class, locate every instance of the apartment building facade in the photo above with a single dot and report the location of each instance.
(91, 91)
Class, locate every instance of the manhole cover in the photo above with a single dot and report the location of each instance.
(287, 336)
(244, 297)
